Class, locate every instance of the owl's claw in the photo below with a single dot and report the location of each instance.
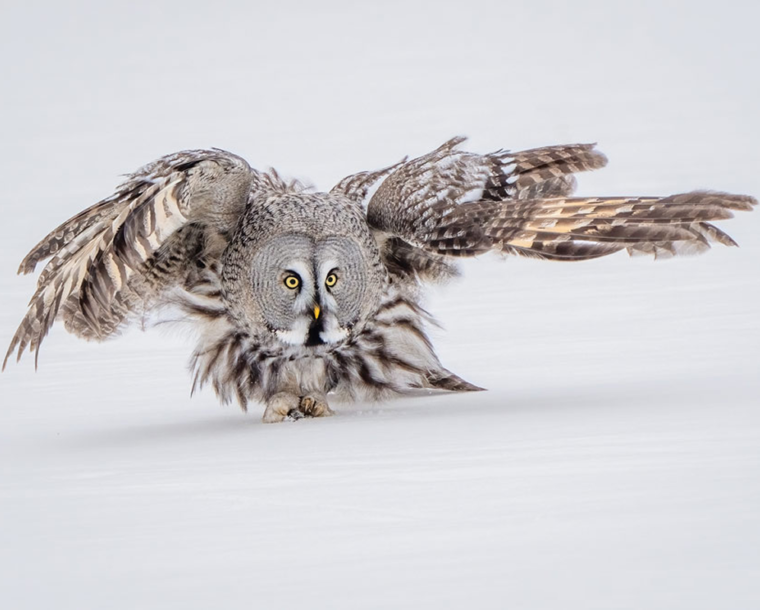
(281, 406)
(315, 406)
(285, 406)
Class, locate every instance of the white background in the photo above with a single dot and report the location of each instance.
(615, 461)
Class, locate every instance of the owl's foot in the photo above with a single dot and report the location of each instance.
(285, 406)
(315, 406)
(281, 406)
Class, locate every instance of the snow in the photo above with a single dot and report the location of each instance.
(614, 461)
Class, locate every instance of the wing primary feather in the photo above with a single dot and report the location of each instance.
(564, 228)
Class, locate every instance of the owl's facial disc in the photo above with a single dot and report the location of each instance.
(309, 293)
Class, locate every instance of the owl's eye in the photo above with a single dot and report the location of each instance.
(331, 280)
(292, 281)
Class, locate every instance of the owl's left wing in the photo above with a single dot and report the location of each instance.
(456, 203)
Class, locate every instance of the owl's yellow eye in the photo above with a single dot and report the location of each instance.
(292, 282)
(331, 280)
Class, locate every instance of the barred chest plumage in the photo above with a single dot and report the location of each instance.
(389, 353)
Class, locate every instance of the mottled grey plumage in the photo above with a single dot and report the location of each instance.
(297, 294)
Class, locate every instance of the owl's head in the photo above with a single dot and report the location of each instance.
(309, 278)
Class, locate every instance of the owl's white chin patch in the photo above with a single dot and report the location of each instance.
(299, 334)
(296, 335)
(291, 337)
(334, 335)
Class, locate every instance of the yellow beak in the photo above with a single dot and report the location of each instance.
(316, 312)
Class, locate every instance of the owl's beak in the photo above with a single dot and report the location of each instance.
(316, 312)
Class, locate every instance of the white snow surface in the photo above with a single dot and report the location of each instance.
(614, 461)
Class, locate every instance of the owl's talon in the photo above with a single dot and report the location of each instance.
(314, 406)
(281, 406)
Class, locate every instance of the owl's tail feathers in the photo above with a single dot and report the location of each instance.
(449, 382)
(585, 228)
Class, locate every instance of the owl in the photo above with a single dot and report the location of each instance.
(299, 295)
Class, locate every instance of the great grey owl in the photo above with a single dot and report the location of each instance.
(299, 295)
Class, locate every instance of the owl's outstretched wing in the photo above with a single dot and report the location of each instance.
(108, 260)
(577, 228)
(455, 203)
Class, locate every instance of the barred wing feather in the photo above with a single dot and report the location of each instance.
(584, 228)
(98, 256)
(455, 203)
(424, 201)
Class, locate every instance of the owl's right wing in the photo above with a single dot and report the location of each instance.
(111, 259)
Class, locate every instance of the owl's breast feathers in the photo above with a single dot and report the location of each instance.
(389, 353)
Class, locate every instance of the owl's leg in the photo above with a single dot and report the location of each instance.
(280, 406)
(315, 405)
